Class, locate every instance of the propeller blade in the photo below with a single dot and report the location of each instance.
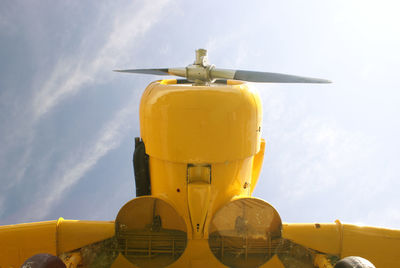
(262, 77)
(162, 71)
(181, 71)
(275, 77)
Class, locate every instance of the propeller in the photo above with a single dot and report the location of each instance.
(201, 72)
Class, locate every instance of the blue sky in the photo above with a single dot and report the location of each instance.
(68, 122)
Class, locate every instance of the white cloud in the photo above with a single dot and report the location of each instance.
(97, 54)
(73, 169)
(231, 47)
(324, 150)
(72, 73)
(388, 217)
(120, 29)
(307, 153)
(16, 136)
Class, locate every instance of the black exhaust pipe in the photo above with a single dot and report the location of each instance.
(141, 169)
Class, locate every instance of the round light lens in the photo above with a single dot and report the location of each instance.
(243, 233)
(150, 232)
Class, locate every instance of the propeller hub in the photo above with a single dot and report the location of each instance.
(200, 75)
(201, 57)
(200, 71)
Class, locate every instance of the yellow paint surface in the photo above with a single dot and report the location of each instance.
(21, 241)
(380, 246)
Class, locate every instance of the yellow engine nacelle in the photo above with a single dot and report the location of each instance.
(201, 142)
(205, 151)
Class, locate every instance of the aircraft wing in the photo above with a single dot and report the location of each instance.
(380, 246)
(21, 241)
(92, 243)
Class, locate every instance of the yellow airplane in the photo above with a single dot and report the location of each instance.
(196, 165)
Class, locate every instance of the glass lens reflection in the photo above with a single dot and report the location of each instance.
(150, 232)
(244, 232)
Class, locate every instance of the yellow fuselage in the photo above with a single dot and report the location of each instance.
(205, 149)
(217, 126)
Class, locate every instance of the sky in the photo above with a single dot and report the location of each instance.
(67, 122)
